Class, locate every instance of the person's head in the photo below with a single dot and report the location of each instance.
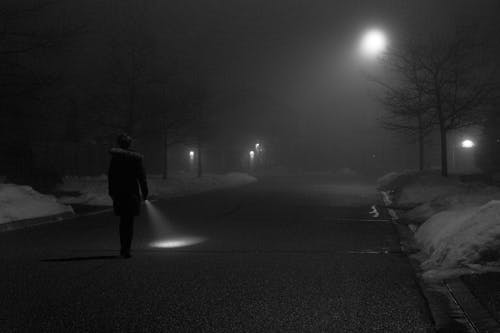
(124, 141)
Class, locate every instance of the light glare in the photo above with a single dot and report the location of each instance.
(177, 242)
(468, 143)
(373, 43)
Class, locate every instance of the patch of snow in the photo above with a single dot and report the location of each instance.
(345, 172)
(18, 202)
(461, 238)
(464, 196)
(427, 187)
(95, 189)
(395, 180)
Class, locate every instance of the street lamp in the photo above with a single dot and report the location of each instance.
(467, 143)
(191, 160)
(373, 42)
(464, 158)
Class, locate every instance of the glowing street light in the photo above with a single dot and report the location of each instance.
(373, 42)
(191, 160)
(467, 144)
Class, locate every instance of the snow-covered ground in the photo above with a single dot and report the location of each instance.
(459, 223)
(22, 202)
(95, 189)
(19, 202)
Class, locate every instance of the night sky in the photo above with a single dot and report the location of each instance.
(258, 58)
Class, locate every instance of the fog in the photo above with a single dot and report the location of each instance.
(288, 74)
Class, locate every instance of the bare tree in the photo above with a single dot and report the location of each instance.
(174, 113)
(32, 70)
(404, 99)
(448, 78)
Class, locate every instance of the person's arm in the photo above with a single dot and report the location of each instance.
(143, 183)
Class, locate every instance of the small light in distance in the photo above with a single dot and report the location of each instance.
(252, 154)
(468, 143)
(191, 154)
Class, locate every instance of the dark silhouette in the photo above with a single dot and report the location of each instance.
(126, 182)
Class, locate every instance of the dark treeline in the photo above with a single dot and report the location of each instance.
(75, 74)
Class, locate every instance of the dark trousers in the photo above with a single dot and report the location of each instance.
(126, 232)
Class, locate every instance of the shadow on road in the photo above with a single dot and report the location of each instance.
(80, 258)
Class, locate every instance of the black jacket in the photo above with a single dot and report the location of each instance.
(126, 181)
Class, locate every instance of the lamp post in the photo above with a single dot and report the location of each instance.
(465, 145)
(251, 159)
(191, 160)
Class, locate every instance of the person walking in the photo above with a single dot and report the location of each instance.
(127, 185)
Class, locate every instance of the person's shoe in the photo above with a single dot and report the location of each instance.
(125, 254)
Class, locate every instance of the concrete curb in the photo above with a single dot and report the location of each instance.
(37, 221)
(478, 316)
(27, 223)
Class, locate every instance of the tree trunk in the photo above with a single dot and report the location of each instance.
(442, 129)
(421, 152)
(444, 152)
(200, 170)
(420, 143)
(165, 150)
(165, 160)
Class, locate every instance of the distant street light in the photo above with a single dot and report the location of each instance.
(191, 160)
(467, 143)
(460, 159)
(251, 160)
(373, 42)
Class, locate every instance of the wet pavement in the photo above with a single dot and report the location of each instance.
(279, 255)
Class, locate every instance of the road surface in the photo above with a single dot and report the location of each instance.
(282, 255)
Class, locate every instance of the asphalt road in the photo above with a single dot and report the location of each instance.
(280, 255)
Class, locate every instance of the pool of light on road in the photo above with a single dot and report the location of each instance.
(166, 237)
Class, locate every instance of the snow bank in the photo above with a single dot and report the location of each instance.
(394, 180)
(460, 223)
(95, 189)
(411, 188)
(462, 237)
(22, 202)
(465, 196)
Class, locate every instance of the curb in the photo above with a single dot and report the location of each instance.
(477, 315)
(451, 304)
(38, 221)
(27, 223)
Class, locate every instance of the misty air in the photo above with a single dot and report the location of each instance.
(250, 166)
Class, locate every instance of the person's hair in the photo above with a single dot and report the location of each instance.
(124, 141)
